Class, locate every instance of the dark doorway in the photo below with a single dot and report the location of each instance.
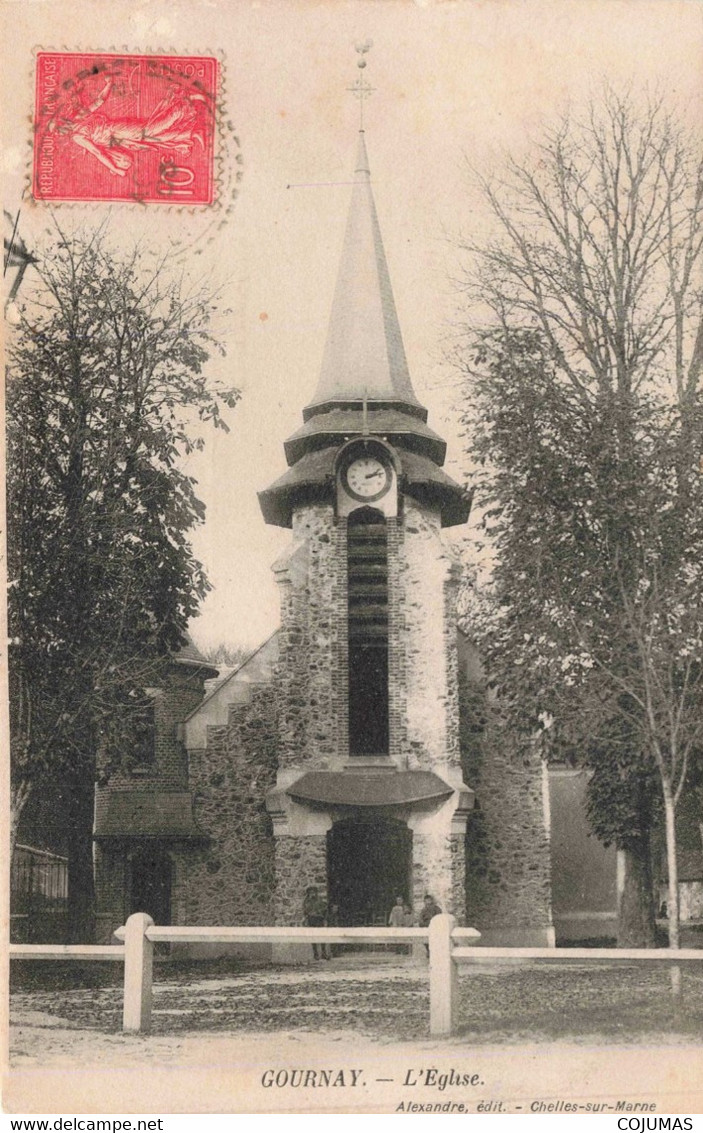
(369, 864)
(150, 886)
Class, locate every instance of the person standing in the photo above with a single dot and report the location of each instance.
(429, 909)
(314, 916)
(397, 920)
(410, 921)
(397, 915)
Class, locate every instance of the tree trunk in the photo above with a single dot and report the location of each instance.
(19, 797)
(672, 866)
(636, 925)
(81, 894)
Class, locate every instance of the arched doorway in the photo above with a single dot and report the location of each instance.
(150, 877)
(369, 864)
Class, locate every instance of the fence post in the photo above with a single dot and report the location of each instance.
(138, 968)
(444, 983)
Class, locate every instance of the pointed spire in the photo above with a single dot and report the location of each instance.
(362, 159)
(364, 388)
(364, 355)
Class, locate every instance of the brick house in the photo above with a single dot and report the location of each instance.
(336, 754)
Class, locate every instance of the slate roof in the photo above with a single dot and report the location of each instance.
(189, 654)
(364, 354)
(312, 477)
(404, 429)
(147, 814)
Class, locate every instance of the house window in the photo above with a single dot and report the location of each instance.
(367, 574)
(143, 736)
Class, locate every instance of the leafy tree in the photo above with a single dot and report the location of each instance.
(584, 364)
(106, 391)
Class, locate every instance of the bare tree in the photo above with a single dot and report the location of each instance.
(584, 358)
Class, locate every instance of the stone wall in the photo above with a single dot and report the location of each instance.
(230, 880)
(508, 866)
(300, 861)
(426, 589)
(456, 904)
(397, 645)
(313, 662)
(439, 869)
(339, 641)
(508, 857)
(311, 682)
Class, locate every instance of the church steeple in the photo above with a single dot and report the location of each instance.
(364, 387)
(364, 356)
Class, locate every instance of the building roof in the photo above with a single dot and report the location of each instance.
(189, 654)
(364, 356)
(147, 814)
(339, 788)
(312, 477)
(424, 479)
(344, 422)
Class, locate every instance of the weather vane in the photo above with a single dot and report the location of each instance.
(361, 89)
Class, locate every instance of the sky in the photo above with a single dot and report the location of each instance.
(458, 85)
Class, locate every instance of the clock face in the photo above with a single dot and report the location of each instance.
(367, 478)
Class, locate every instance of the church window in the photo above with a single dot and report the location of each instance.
(367, 551)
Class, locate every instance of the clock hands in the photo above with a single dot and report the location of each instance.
(366, 478)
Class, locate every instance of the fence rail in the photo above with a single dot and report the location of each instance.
(185, 934)
(67, 952)
(443, 938)
(578, 955)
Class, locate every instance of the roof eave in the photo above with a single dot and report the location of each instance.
(412, 407)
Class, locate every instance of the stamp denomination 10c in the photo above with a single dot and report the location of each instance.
(125, 128)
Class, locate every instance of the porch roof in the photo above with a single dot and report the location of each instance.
(341, 788)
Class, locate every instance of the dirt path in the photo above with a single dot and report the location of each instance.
(61, 1064)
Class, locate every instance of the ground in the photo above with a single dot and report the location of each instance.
(370, 1013)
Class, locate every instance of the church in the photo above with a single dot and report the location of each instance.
(342, 753)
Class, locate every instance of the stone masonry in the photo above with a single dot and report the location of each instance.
(427, 642)
(300, 861)
(230, 879)
(508, 863)
(309, 670)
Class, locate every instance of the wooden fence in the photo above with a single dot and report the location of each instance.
(38, 896)
(444, 939)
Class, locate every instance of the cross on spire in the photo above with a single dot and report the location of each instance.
(361, 89)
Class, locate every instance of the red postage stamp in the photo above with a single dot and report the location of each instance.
(125, 128)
